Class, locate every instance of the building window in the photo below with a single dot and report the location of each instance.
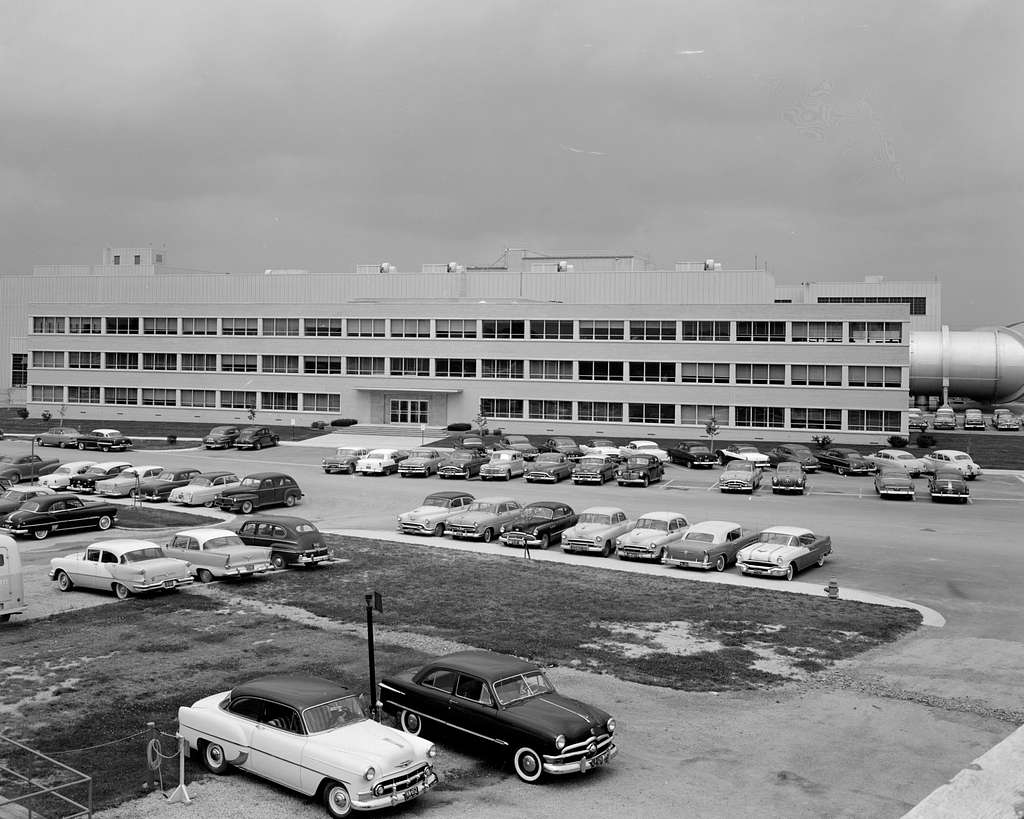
(280, 326)
(160, 361)
(85, 325)
(283, 364)
(874, 376)
(410, 366)
(365, 328)
(705, 331)
(408, 411)
(121, 361)
(160, 326)
(237, 399)
(48, 324)
(455, 328)
(704, 372)
(199, 362)
(551, 329)
(873, 420)
(551, 370)
(816, 375)
(159, 397)
(47, 358)
(550, 410)
(199, 326)
(815, 418)
(364, 365)
(774, 417)
(760, 373)
(121, 396)
(199, 398)
(321, 402)
(700, 414)
(286, 401)
(599, 411)
(122, 326)
(19, 369)
(410, 328)
(501, 368)
(117, 259)
(83, 395)
(455, 367)
(503, 328)
(652, 331)
(918, 304)
(48, 392)
(231, 326)
(138, 259)
(652, 413)
(760, 331)
(876, 332)
(602, 330)
(321, 364)
(653, 372)
(159, 258)
(601, 371)
(237, 363)
(501, 407)
(331, 327)
(821, 331)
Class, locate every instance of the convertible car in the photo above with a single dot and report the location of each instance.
(312, 736)
(743, 452)
(597, 530)
(494, 701)
(125, 567)
(710, 544)
(782, 551)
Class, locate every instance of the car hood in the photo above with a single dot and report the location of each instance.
(499, 466)
(472, 517)
(788, 479)
(368, 743)
(424, 513)
(769, 552)
(419, 461)
(736, 474)
(588, 529)
(640, 537)
(553, 714)
(525, 523)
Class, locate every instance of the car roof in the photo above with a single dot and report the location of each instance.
(144, 467)
(449, 495)
(714, 527)
(891, 470)
(205, 533)
(284, 520)
(496, 499)
(895, 452)
(108, 464)
(68, 495)
(262, 475)
(643, 441)
(300, 691)
(214, 474)
(602, 510)
(120, 546)
(950, 452)
(663, 515)
(105, 431)
(512, 453)
(788, 530)
(545, 504)
(487, 664)
(78, 464)
(949, 473)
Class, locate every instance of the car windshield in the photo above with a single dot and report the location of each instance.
(591, 461)
(517, 439)
(703, 537)
(222, 541)
(594, 517)
(423, 453)
(138, 555)
(63, 470)
(333, 714)
(200, 481)
(752, 449)
(799, 450)
(17, 494)
(166, 475)
(739, 466)
(776, 538)
(902, 456)
(549, 458)
(652, 523)
(961, 457)
(221, 430)
(601, 442)
(522, 687)
(96, 470)
(380, 453)
(251, 482)
(437, 500)
(790, 467)
(30, 506)
(563, 442)
(463, 455)
(349, 452)
(481, 506)
(540, 512)
(637, 462)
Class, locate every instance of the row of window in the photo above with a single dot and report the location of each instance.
(918, 304)
(508, 329)
(205, 399)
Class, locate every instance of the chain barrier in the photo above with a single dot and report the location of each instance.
(100, 745)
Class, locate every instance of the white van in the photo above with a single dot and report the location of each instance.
(12, 586)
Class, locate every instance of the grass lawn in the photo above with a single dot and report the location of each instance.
(153, 516)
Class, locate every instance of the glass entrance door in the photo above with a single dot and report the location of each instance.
(408, 411)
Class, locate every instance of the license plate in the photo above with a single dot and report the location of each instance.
(410, 794)
(249, 567)
(596, 762)
(168, 584)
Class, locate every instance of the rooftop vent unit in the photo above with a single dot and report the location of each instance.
(455, 267)
(709, 264)
(387, 267)
(565, 267)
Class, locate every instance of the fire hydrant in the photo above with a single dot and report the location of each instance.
(832, 589)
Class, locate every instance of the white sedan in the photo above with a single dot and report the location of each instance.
(59, 478)
(952, 459)
(125, 567)
(125, 484)
(204, 489)
(650, 538)
(898, 459)
(644, 448)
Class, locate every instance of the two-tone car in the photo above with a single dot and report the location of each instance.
(344, 460)
(505, 464)
(259, 490)
(13, 498)
(595, 468)
(221, 437)
(651, 536)
(158, 488)
(310, 735)
(898, 459)
(126, 483)
(499, 703)
(420, 463)
(692, 454)
(740, 476)
(125, 567)
(58, 513)
(564, 444)
(916, 420)
(62, 475)
(520, 443)
(641, 469)
(59, 437)
(602, 446)
(85, 482)
(204, 488)
(550, 467)
(789, 478)
(893, 482)
(742, 452)
(291, 541)
(782, 551)
(710, 544)
(217, 553)
(942, 459)
(794, 453)
(538, 525)
(644, 448)
(381, 461)
(846, 461)
(1005, 421)
(482, 519)
(429, 517)
(104, 439)
(948, 485)
(596, 531)
(462, 463)
(16, 468)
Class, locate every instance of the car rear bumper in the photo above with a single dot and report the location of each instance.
(689, 564)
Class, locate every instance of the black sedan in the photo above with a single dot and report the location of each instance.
(489, 700)
(539, 524)
(846, 461)
(549, 467)
(567, 446)
(292, 541)
(948, 485)
(692, 454)
(58, 513)
(159, 488)
(794, 453)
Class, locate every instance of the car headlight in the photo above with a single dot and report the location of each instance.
(502, 529)
(707, 557)
(778, 561)
(370, 774)
(536, 532)
(611, 725)
(559, 742)
(432, 751)
(597, 539)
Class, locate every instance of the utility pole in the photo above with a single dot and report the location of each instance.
(373, 601)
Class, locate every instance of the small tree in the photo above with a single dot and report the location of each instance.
(251, 412)
(62, 410)
(481, 423)
(898, 441)
(711, 430)
(926, 441)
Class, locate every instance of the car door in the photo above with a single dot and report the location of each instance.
(278, 744)
(86, 572)
(433, 694)
(472, 709)
(75, 515)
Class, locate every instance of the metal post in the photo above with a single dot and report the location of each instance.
(150, 773)
(369, 648)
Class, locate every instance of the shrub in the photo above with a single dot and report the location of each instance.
(459, 426)
(926, 440)
(897, 441)
(318, 425)
(46, 415)
(823, 441)
(22, 413)
(172, 439)
(343, 422)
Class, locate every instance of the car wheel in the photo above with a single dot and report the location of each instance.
(289, 500)
(214, 759)
(278, 560)
(336, 800)
(104, 522)
(841, 471)
(39, 442)
(488, 535)
(439, 530)
(351, 469)
(122, 592)
(545, 541)
(790, 571)
(246, 507)
(64, 582)
(646, 482)
(81, 445)
(528, 765)
(257, 445)
(720, 563)
(204, 576)
(208, 504)
(821, 560)
(41, 533)
(411, 723)
(659, 557)
(606, 549)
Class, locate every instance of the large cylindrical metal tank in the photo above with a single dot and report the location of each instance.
(986, 364)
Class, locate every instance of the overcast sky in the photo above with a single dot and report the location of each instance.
(831, 140)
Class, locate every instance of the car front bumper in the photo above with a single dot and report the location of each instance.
(367, 801)
(552, 765)
(762, 569)
(636, 552)
(624, 480)
(588, 477)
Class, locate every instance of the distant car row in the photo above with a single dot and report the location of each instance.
(945, 418)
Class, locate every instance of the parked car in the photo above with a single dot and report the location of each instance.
(126, 483)
(482, 518)
(944, 418)
(789, 478)
(462, 463)
(898, 459)
(742, 452)
(85, 482)
(383, 461)
(495, 701)
(429, 517)
(602, 446)
(24, 467)
(344, 459)
(952, 459)
(782, 551)
(538, 525)
(217, 553)
(62, 475)
(692, 454)
(596, 530)
(474, 443)
(740, 476)
(1005, 421)
(420, 463)
(13, 498)
(255, 438)
(643, 448)
(312, 736)
(204, 488)
(642, 469)
(845, 461)
(567, 446)
(595, 468)
(948, 485)
(58, 436)
(58, 513)
(12, 580)
(126, 567)
(221, 437)
(893, 482)
(973, 419)
(292, 541)
(158, 488)
(710, 544)
(105, 440)
(650, 537)
(916, 420)
(794, 453)
(258, 490)
(550, 467)
(504, 465)
(520, 443)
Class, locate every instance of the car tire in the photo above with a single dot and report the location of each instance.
(488, 535)
(121, 591)
(41, 533)
(208, 504)
(336, 800)
(289, 500)
(606, 549)
(411, 723)
(257, 445)
(721, 563)
(545, 541)
(527, 764)
(790, 571)
(81, 445)
(39, 442)
(214, 758)
(278, 561)
(821, 560)
(659, 557)
(439, 530)
(645, 482)
(104, 522)
(245, 507)
(841, 471)
(64, 582)
(204, 576)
